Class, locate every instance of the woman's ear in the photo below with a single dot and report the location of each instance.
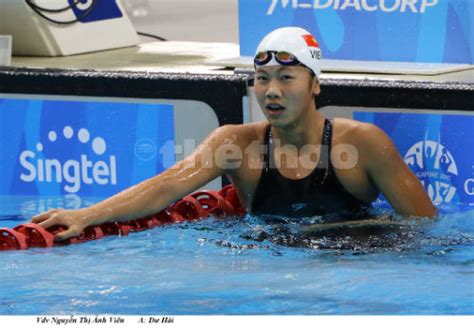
(316, 89)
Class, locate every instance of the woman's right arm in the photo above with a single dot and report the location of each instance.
(149, 196)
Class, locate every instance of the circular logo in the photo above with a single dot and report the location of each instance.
(436, 168)
(145, 149)
(84, 4)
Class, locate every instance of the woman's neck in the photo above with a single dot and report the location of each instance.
(308, 130)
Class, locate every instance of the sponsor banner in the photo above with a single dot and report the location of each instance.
(89, 148)
(87, 11)
(429, 31)
(437, 148)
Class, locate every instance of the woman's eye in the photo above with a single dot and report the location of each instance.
(261, 78)
(286, 77)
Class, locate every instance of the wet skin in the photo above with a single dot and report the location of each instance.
(286, 95)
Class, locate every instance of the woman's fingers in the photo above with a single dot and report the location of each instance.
(59, 217)
(43, 216)
(51, 221)
(71, 232)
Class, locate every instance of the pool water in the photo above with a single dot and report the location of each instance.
(241, 266)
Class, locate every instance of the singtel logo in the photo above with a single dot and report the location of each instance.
(74, 172)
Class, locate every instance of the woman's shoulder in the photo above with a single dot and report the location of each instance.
(349, 130)
(243, 133)
(370, 141)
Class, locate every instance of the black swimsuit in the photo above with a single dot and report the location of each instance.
(318, 194)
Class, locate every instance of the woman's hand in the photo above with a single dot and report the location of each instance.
(74, 220)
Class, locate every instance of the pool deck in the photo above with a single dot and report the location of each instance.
(187, 57)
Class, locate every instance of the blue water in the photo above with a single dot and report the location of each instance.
(240, 267)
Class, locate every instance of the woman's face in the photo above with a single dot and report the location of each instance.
(285, 93)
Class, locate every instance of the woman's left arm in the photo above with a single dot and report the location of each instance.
(388, 171)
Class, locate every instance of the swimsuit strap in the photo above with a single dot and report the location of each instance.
(327, 133)
(266, 152)
(325, 157)
(326, 141)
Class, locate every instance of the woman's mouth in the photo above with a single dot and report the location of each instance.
(274, 109)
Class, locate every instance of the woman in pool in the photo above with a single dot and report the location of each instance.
(313, 166)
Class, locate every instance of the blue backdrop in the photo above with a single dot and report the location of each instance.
(438, 149)
(434, 31)
(50, 147)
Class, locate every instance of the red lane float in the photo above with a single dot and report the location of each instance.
(115, 229)
(196, 206)
(213, 203)
(230, 194)
(36, 236)
(11, 239)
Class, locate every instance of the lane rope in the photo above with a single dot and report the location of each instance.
(199, 205)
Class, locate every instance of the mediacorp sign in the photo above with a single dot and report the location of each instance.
(88, 148)
(428, 31)
(437, 148)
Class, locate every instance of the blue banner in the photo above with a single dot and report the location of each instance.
(88, 11)
(437, 148)
(429, 31)
(88, 148)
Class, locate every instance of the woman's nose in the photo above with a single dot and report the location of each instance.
(273, 91)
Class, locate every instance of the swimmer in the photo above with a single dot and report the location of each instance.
(297, 163)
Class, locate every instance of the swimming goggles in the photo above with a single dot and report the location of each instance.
(282, 57)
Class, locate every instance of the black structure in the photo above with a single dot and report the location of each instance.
(223, 93)
(397, 94)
